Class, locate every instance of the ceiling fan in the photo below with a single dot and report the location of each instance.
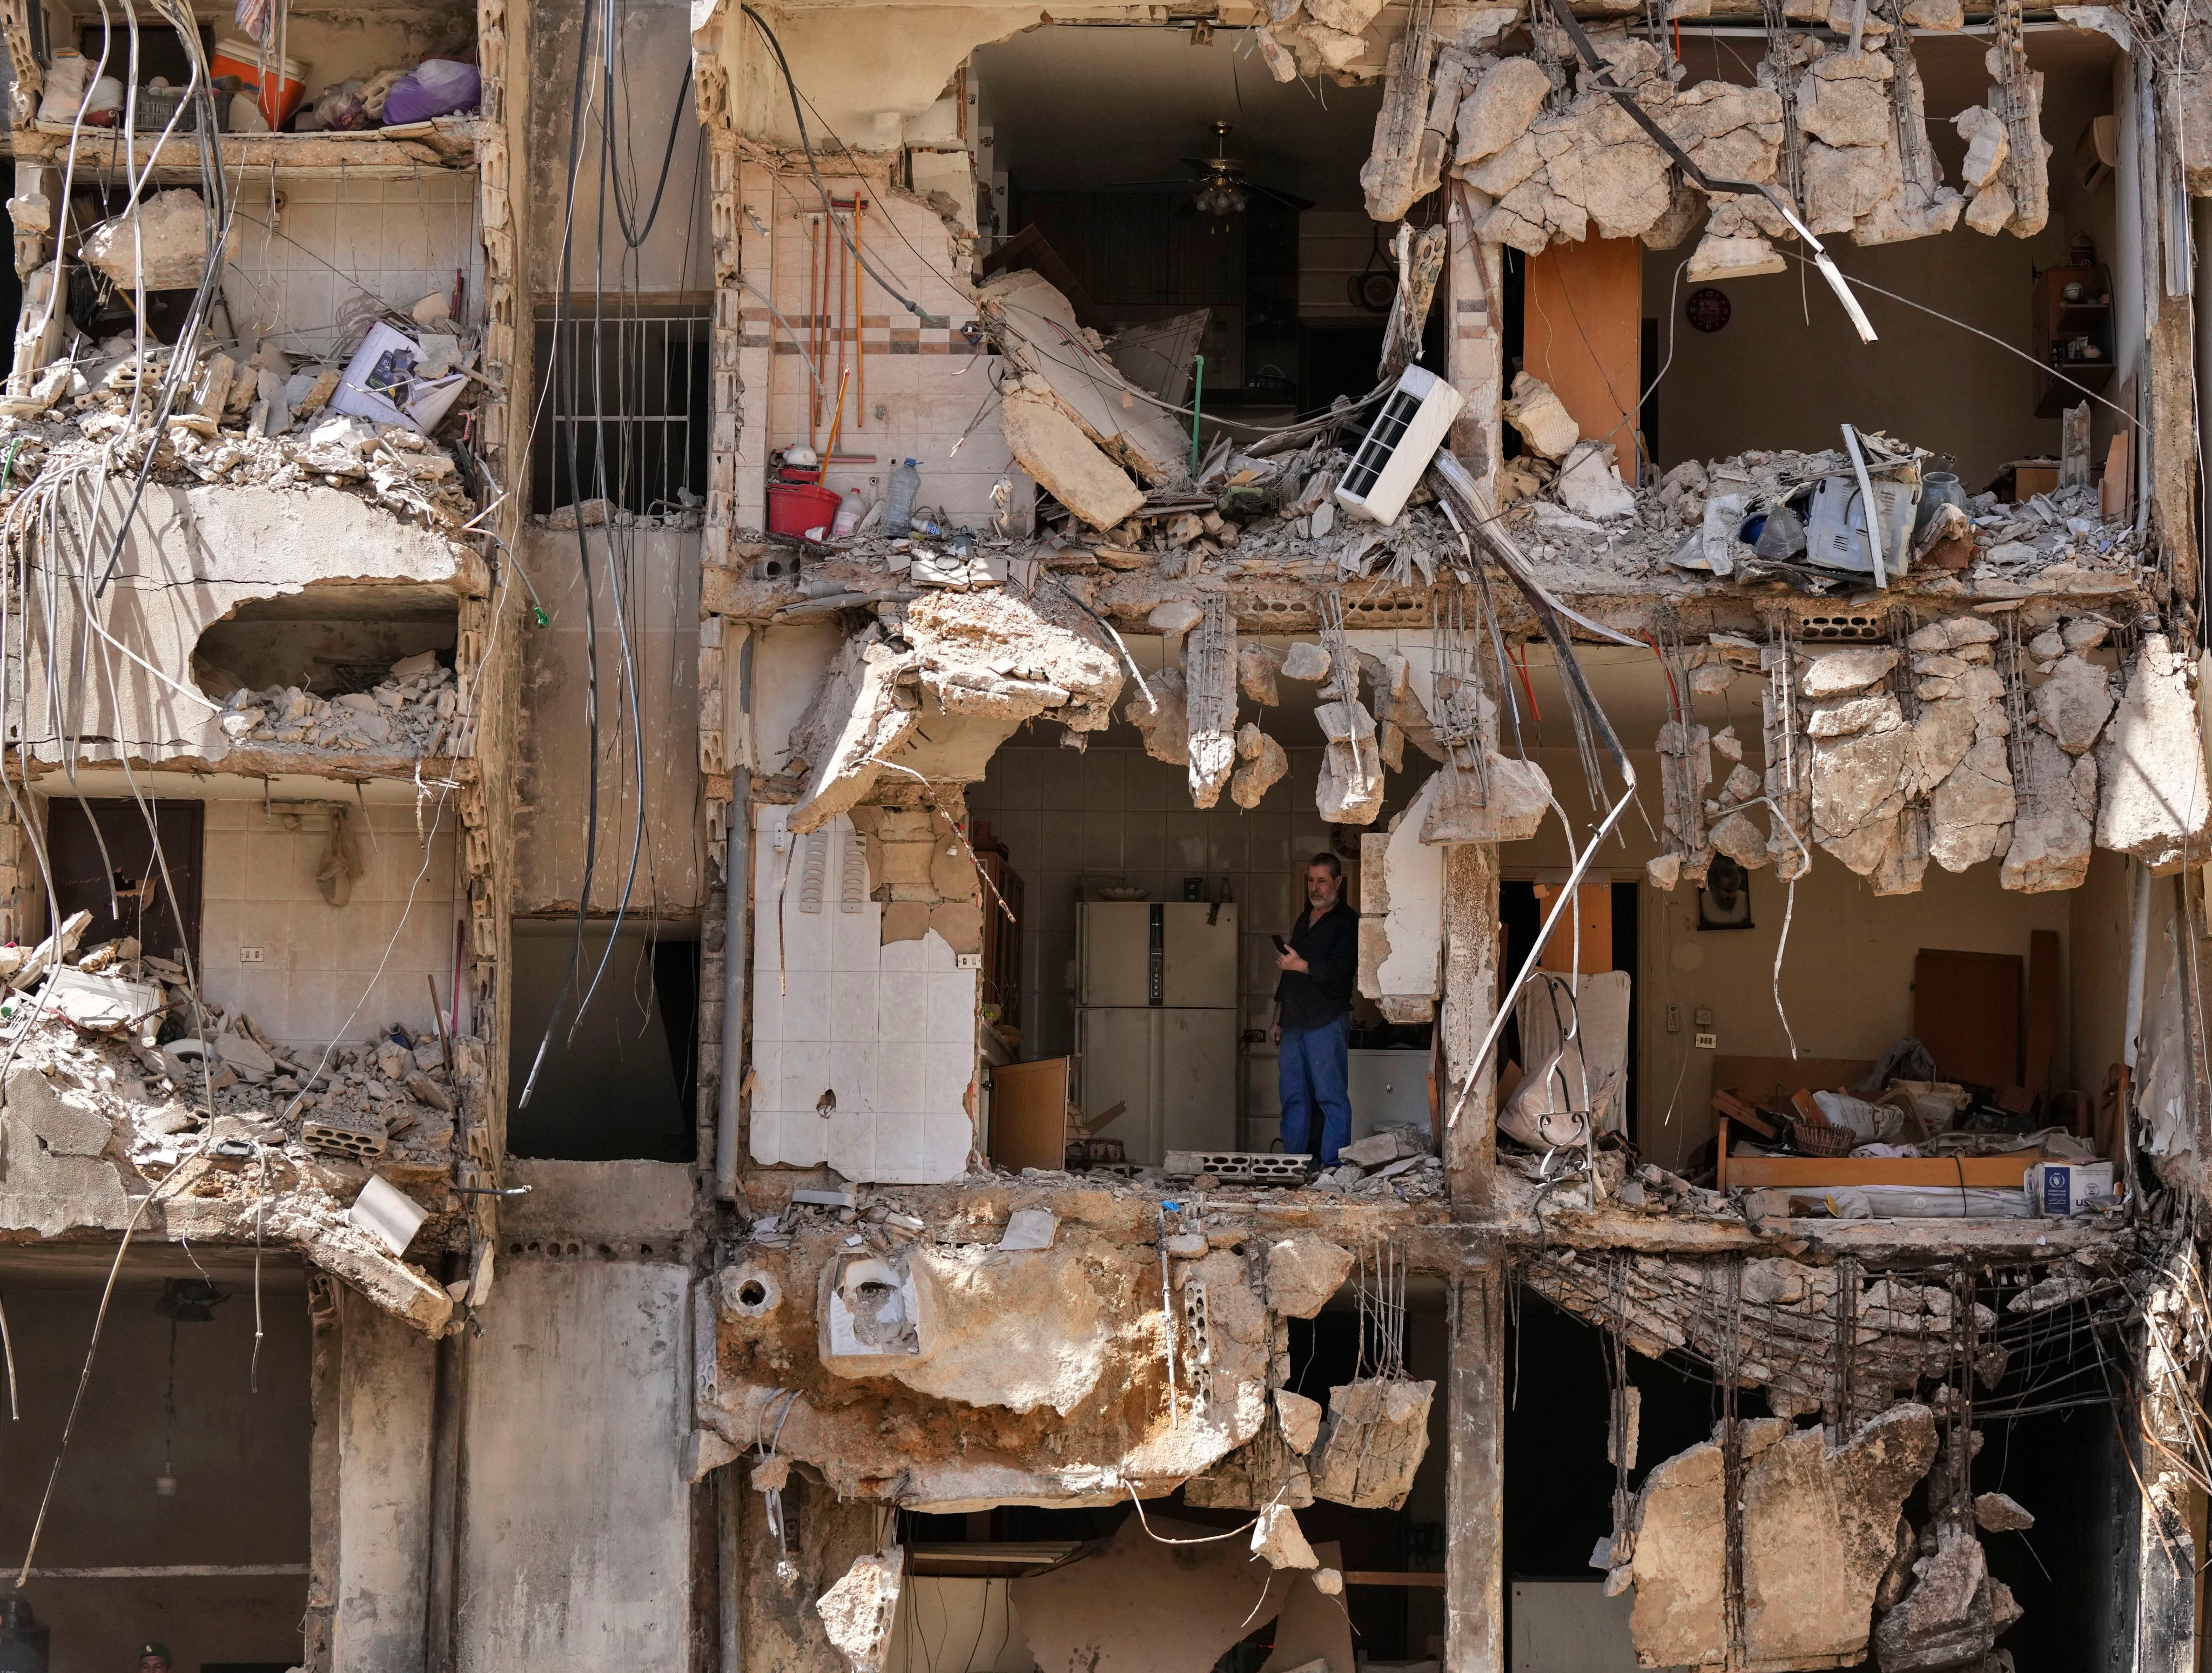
(1223, 187)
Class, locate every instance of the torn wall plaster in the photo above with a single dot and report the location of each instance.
(1010, 1348)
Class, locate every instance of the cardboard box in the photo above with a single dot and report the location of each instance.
(2057, 1188)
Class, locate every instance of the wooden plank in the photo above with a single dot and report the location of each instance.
(1029, 1114)
(2001, 1172)
(1583, 333)
(2043, 977)
(1387, 1577)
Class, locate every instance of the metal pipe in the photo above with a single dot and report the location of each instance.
(737, 872)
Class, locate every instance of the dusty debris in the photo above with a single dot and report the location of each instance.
(415, 711)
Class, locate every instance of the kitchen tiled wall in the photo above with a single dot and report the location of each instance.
(1118, 816)
(890, 1029)
(924, 384)
(337, 240)
(327, 972)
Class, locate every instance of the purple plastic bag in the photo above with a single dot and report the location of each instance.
(435, 87)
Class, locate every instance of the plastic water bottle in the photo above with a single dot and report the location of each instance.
(898, 502)
(849, 512)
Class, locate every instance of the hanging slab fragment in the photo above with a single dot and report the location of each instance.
(2155, 803)
(1518, 796)
(1376, 1436)
(1303, 1272)
(1262, 762)
(861, 713)
(2056, 824)
(1210, 699)
(1257, 667)
(1970, 815)
(1066, 463)
(1277, 1541)
(1949, 1618)
(1037, 326)
(1166, 730)
(858, 1611)
(2074, 702)
(1819, 1531)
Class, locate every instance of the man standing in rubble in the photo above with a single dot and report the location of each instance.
(1313, 1016)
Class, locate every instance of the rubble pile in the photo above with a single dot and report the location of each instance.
(255, 421)
(414, 711)
(116, 1084)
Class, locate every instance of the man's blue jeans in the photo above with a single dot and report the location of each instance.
(1316, 1106)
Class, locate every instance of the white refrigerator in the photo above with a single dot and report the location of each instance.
(1156, 1021)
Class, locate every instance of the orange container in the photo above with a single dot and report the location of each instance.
(242, 58)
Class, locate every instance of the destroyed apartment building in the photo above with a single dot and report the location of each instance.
(891, 838)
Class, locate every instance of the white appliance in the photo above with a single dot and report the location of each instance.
(1156, 1022)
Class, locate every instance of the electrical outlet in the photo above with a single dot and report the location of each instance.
(1674, 1019)
(250, 955)
(968, 960)
(1703, 1016)
(1708, 1042)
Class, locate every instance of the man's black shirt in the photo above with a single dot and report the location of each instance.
(1321, 993)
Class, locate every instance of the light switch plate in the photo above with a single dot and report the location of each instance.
(1708, 1042)
(968, 960)
(250, 955)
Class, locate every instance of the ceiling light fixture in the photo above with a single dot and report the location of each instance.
(1220, 196)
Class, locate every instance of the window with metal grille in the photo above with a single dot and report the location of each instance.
(625, 416)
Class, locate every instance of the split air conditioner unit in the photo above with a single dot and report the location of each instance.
(1416, 416)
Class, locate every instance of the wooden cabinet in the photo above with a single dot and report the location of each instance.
(2062, 329)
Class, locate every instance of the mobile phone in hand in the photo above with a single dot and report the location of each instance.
(1281, 946)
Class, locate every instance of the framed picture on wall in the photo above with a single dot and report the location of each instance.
(1724, 899)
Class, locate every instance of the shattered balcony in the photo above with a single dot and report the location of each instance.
(131, 1106)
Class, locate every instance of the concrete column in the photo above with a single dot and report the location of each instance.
(2170, 1529)
(1472, 949)
(1474, 1551)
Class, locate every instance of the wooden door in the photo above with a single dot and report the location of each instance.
(1581, 332)
(103, 859)
(1966, 1010)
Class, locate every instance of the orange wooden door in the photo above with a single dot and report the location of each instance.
(1583, 333)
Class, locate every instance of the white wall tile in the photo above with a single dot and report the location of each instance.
(843, 1013)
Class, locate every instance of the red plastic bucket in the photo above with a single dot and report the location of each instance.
(795, 509)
